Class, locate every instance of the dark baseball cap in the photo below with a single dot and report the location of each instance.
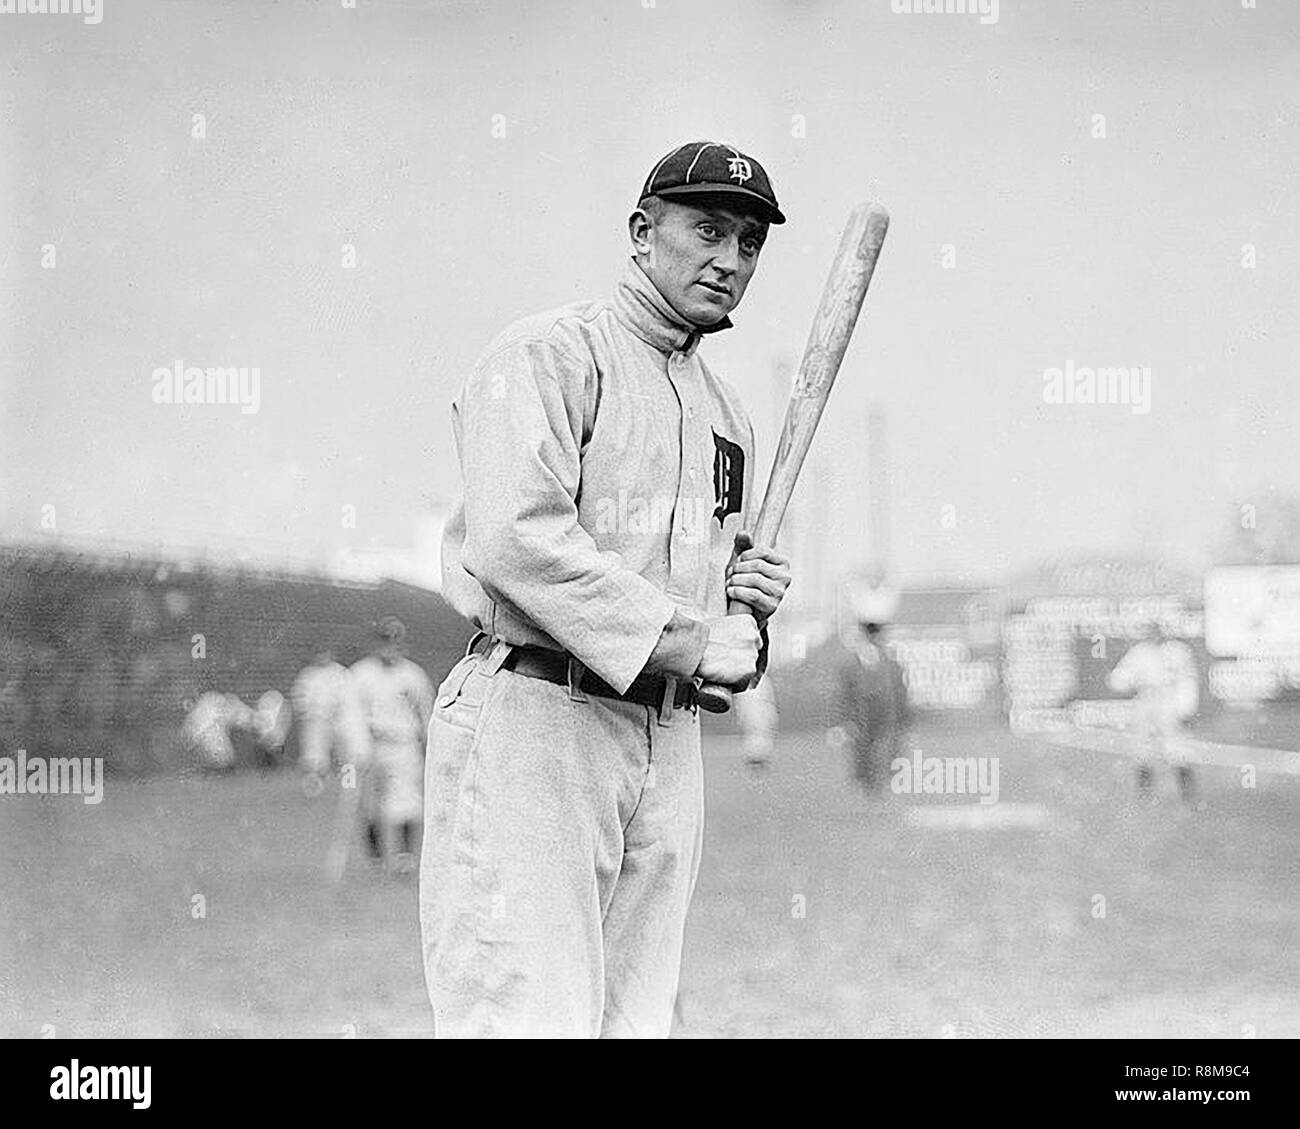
(710, 168)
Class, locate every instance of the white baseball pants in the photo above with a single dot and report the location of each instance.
(562, 842)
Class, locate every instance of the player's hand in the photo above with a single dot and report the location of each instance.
(731, 655)
(759, 577)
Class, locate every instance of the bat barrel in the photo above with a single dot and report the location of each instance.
(828, 339)
(837, 314)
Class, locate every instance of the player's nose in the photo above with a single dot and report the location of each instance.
(727, 259)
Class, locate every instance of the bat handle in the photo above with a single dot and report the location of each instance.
(713, 697)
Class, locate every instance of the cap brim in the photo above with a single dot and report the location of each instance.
(765, 208)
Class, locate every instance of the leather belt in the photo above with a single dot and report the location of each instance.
(563, 669)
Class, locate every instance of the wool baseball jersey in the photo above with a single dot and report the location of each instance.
(394, 700)
(317, 692)
(606, 472)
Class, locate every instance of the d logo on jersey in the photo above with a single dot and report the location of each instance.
(728, 477)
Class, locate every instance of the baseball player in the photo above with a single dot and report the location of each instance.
(318, 699)
(871, 705)
(393, 698)
(210, 725)
(272, 717)
(607, 477)
(1161, 673)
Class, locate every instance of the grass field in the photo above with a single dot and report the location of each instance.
(820, 910)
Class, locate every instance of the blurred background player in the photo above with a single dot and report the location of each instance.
(870, 695)
(394, 700)
(757, 717)
(1161, 672)
(209, 726)
(272, 717)
(318, 698)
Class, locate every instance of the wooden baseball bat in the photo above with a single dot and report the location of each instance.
(842, 296)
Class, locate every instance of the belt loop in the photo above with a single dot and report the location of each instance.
(496, 656)
(576, 671)
(474, 643)
(667, 702)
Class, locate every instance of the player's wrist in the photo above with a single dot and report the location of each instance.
(680, 649)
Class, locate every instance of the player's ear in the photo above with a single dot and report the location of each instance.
(639, 224)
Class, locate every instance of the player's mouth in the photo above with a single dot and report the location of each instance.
(723, 291)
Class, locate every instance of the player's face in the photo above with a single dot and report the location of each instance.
(701, 257)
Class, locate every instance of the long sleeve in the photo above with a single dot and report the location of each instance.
(680, 647)
(519, 425)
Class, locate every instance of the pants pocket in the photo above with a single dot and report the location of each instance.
(462, 694)
(454, 732)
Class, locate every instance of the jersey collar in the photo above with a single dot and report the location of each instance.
(647, 314)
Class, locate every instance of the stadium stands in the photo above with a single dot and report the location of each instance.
(103, 654)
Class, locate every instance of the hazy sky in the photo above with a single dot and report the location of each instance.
(327, 126)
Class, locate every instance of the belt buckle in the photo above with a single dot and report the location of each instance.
(668, 701)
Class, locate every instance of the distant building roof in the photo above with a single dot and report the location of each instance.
(1121, 575)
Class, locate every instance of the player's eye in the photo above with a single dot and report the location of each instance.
(751, 247)
(708, 230)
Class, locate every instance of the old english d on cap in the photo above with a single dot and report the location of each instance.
(710, 168)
